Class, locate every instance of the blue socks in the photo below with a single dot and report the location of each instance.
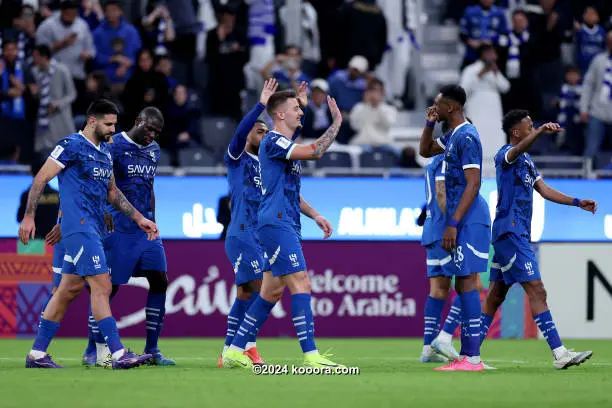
(485, 323)
(254, 318)
(303, 320)
(234, 318)
(253, 337)
(454, 317)
(46, 332)
(433, 314)
(549, 331)
(470, 323)
(108, 327)
(155, 312)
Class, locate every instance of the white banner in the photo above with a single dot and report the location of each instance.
(578, 280)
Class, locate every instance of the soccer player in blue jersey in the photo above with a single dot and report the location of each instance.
(242, 244)
(467, 235)
(86, 181)
(514, 260)
(280, 230)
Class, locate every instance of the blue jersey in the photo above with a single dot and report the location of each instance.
(589, 43)
(480, 24)
(514, 194)
(435, 222)
(83, 184)
(463, 151)
(134, 167)
(281, 183)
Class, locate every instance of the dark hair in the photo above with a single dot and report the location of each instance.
(513, 118)
(111, 2)
(519, 11)
(455, 93)
(374, 82)
(278, 98)
(151, 112)
(297, 47)
(9, 40)
(102, 107)
(572, 68)
(485, 48)
(43, 50)
(263, 122)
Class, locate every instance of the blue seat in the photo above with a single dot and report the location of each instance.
(196, 157)
(378, 158)
(335, 160)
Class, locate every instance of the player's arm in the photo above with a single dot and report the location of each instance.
(316, 150)
(428, 146)
(238, 143)
(524, 145)
(55, 235)
(50, 169)
(153, 204)
(302, 97)
(311, 213)
(118, 200)
(441, 194)
(551, 194)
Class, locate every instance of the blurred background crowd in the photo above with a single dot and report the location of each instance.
(203, 63)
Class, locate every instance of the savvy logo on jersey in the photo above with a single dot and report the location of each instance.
(100, 173)
(141, 170)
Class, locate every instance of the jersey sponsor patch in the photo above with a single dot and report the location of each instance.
(283, 142)
(56, 152)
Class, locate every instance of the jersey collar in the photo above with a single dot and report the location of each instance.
(92, 143)
(459, 127)
(252, 155)
(129, 139)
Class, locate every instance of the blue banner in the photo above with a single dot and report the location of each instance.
(358, 208)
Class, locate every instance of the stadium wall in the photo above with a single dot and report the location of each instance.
(360, 289)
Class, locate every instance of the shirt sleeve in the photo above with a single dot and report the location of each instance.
(64, 154)
(470, 153)
(439, 173)
(504, 157)
(443, 140)
(280, 147)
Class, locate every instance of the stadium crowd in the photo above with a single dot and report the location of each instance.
(197, 60)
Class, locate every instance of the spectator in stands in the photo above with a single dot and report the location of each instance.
(372, 119)
(188, 24)
(361, 30)
(55, 92)
(24, 29)
(568, 115)
(163, 65)
(548, 29)
(224, 214)
(590, 39)
(484, 83)
(146, 87)
(96, 87)
(596, 100)
(117, 43)
(92, 13)
(226, 54)
(482, 24)
(408, 158)
(9, 151)
(157, 28)
(48, 207)
(311, 49)
(17, 88)
(70, 41)
(286, 68)
(180, 131)
(319, 117)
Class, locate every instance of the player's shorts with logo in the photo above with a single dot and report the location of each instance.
(472, 252)
(283, 249)
(132, 254)
(514, 260)
(58, 262)
(84, 255)
(247, 258)
(439, 261)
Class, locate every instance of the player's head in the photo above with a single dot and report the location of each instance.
(520, 22)
(256, 134)
(113, 12)
(283, 107)
(486, 3)
(41, 55)
(449, 101)
(517, 124)
(69, 11)
(590, 16)
(487, 54)
(572, 75)
(10, 49)
(101, 119)
(148, 126)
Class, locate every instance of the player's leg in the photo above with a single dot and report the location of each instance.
(439, 286)
(271, 291)
(493, 301)
(70, 287)
(155, 312)
(252, 291)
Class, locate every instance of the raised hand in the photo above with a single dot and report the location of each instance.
(302, 94)
(550, 128)
(432, 114)
(269, 88)
(588, 205)
(335, 111)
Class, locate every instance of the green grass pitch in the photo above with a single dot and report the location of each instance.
(390, 376)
